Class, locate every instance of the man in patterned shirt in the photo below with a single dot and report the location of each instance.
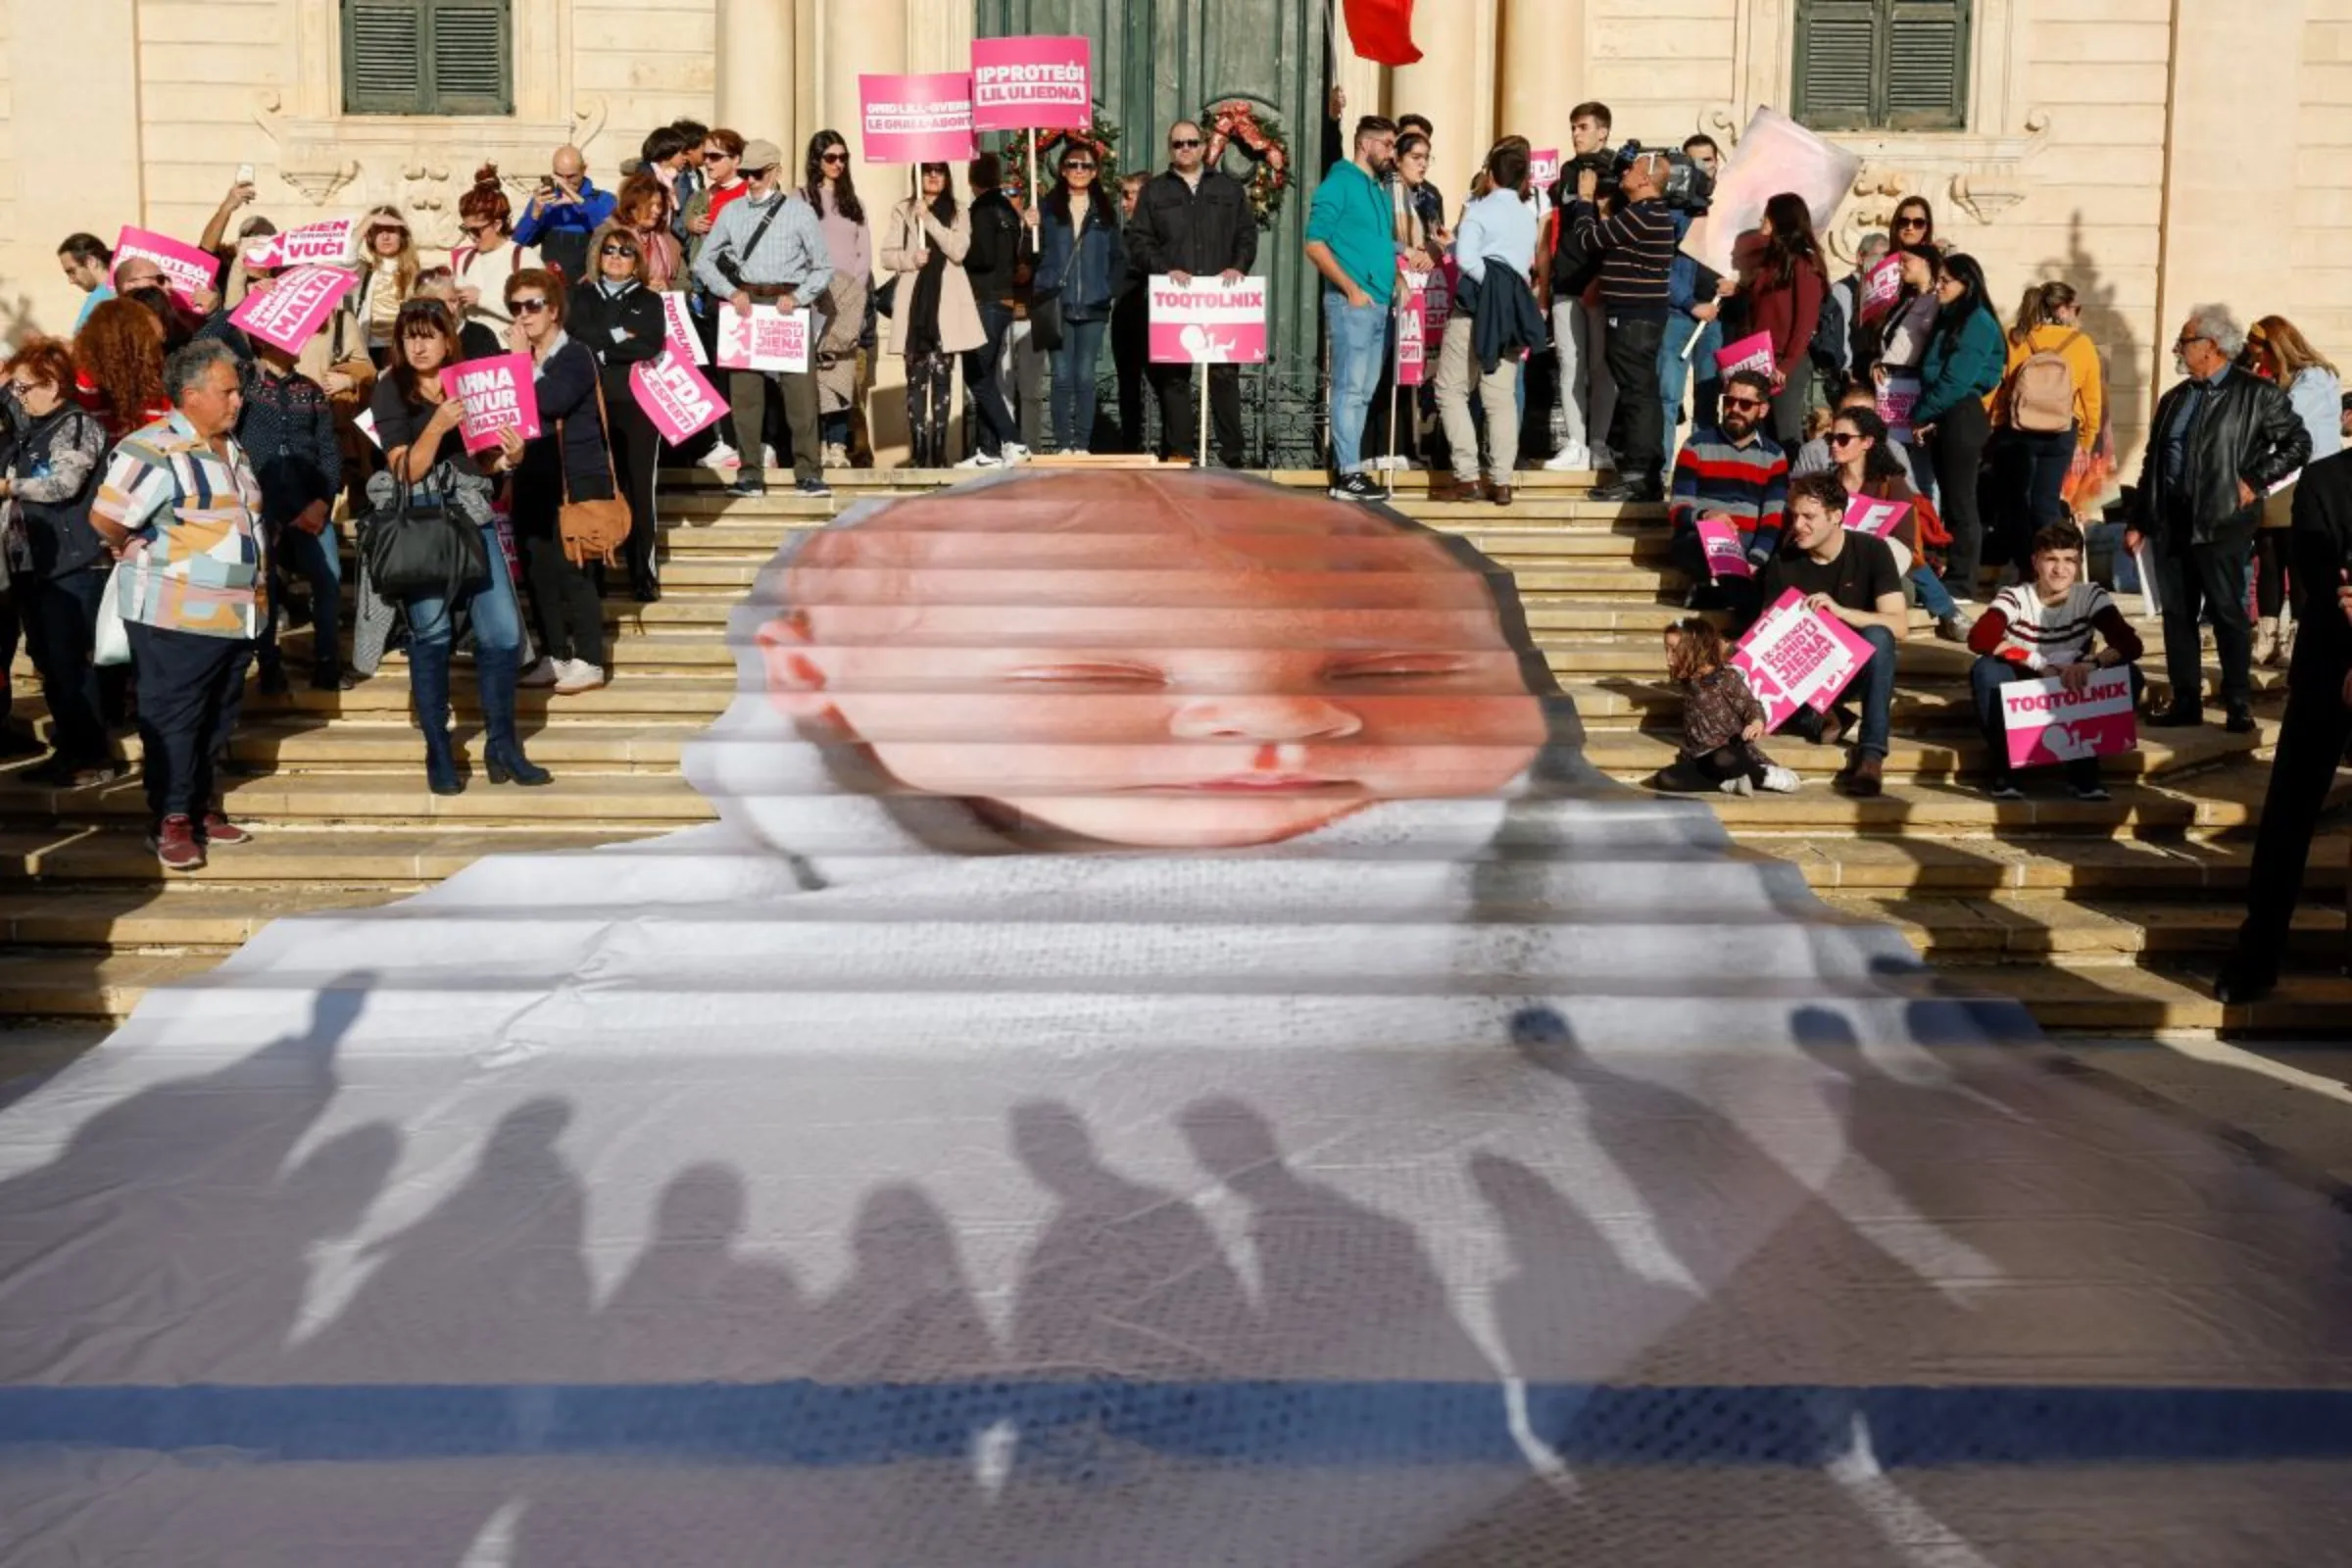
(181, 506)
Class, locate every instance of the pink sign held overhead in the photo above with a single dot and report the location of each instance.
(678, 324)
(1797, 657)
(326, 244)
(290, 311)
(1544, 167)
(2047, 723)
(1727, 551)
(1752, 352)
(1207, 323)
(499, 395)
(187, 271)
(769, 340)
(674, 395)
(1036, 83)
(1879, 519)
(921, 119)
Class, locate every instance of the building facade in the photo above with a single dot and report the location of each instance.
(2154, 153)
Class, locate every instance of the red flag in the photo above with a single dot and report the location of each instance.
(1382, 30)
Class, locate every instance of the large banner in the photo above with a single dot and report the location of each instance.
(924, 117)
(676, 396)
(1033, 83)
(500, 394)
(1207, 321)
(289, 312)
(1774, 154)
(187, 271)
(2046, 723)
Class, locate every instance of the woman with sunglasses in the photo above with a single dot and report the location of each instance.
(569, 460)
(1081, 257)
(937, 318)
(619, 319)
(2277, 351)
(424, 452)
(1864, 462)
(841, 311)
(388, 269)
(1961, 369)
(489, 257)
(1914, 223)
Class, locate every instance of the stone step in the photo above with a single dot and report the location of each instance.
(65, 860)
(714, 531)
(2035, 930)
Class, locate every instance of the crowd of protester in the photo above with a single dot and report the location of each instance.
(158, 433)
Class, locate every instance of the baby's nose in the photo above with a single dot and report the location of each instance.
(1264, 717)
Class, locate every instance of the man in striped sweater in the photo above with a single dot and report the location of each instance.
(1730, 472)
(1636, 245)
(2045, 628)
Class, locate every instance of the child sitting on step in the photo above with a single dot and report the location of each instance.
(1721, 720)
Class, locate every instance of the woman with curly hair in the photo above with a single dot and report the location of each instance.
(388, 269)
(119, 360)
(644, 210)
(840, 312)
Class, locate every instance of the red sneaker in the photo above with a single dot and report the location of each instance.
(219, 831)
(176, 846)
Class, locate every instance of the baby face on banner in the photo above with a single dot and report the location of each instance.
(1203, 662)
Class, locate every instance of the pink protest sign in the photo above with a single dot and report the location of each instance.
(1797, 657)
(1544, 167)
(326, 244)
(1412, 330)
(290, 311)
(1882, 286)
(769, 340)
(2047, 723)
(921, 119)
(1727, 551)
(1205, 322)
(678, 327)
(1752, 352)
(1881, 518)
(499, 395)
(1019, 84)
(674, 395)
(187, 270)
(1897, 399)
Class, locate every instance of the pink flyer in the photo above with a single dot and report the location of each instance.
(1207, 323)
(1797, 657)
(290, 311)
(1750, 353)
(769, 340)
(1021, 83)
(677, 396)
(326, 244)
(1727, 553)
(499, 394)
(1878, 518)
(187, 270)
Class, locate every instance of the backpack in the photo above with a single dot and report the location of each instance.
(2042, 394)
(1830, 348)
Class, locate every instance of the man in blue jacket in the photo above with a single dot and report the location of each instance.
(566, 212)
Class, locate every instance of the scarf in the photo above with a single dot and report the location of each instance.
(922, 326)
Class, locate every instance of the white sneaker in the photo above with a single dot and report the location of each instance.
(544, 671)
(1780, 780)
(722, 457)
(836, 456)
(1015, 453)
(1952, 629)
(1570, 460)
(768, 456)
(1736, 784)
(578, 675)
(982, 459)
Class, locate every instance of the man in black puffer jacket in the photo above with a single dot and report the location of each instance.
(1192, 220)
(2221, 439)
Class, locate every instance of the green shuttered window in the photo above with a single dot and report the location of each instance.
(427, 57)
(1882, 65)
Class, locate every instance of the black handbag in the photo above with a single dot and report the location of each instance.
(1045, 322)
(419, 545)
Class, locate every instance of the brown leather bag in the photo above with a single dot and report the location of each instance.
(592, 528)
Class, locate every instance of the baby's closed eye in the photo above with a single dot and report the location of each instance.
(1098, 674)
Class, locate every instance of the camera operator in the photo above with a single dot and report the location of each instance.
(1638, 246)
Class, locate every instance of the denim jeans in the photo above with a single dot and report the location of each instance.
(1074, 367)
(1679, 357)
(61, 630)
(982, 379)
(497, 623)
(319, 559)
(1934, 597)
(1357, 335)
(1876, 678)
(2107, 538)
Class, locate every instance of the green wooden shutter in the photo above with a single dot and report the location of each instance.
(1926, 64)
(383, 56)
(427, 57)
(1837, 64)
(1882, 65)
(470, 50)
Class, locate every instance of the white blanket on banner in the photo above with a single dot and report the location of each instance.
(1524, 1179)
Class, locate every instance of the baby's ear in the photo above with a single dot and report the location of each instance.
(795, 680)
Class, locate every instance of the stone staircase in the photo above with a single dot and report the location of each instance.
(2104, 917)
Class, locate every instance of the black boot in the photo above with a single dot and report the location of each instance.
(428, 687)
(495, 671)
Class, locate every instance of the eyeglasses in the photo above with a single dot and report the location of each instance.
(1179, 143)
(1839, 438)
(2181, 343)
(1910, 222)
(1077, 166)
(834, 158)
(528, 306)
(1745, 402)
(629, 251)
(23, 386)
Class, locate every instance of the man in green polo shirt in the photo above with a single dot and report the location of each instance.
(1350, 239)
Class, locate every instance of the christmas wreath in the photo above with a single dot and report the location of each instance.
(1239, 122)
(1101, 138)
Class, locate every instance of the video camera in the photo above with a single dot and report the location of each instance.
(1688, 189)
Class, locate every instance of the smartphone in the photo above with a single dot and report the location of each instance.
(244, 174)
